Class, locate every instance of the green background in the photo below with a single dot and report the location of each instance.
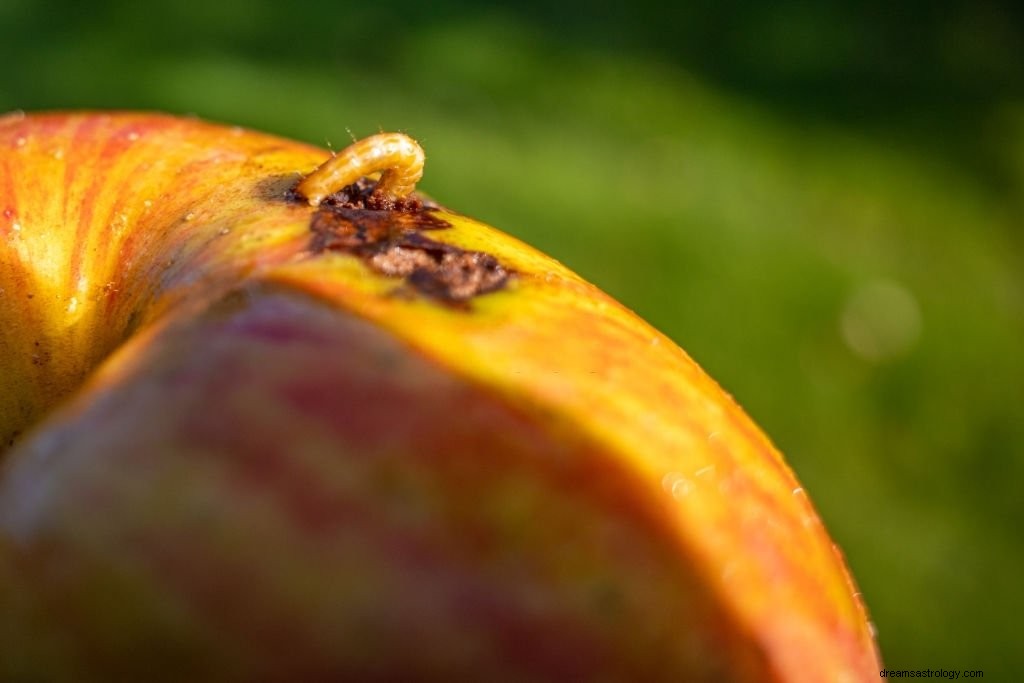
(821, 202)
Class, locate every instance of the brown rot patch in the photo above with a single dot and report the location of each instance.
(362, 194)
(391, 241)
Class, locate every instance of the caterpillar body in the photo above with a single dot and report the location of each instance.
(396, 156)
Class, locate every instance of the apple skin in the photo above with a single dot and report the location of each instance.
(236, 458)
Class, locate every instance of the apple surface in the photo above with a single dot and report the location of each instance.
(244, 438)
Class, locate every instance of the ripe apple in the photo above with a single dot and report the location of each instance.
(249, 439)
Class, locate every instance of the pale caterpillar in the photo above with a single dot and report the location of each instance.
(397, 156)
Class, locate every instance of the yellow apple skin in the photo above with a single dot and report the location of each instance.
(236, 457)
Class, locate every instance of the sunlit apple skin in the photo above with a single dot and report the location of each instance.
(277, 469)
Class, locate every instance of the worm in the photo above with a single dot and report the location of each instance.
(398, 157)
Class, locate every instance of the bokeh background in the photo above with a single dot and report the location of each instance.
(822, 202)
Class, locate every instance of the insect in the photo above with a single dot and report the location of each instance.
(397, 156)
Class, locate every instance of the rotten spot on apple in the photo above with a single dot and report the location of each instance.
(387, 234)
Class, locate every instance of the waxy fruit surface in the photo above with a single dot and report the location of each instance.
(246, 439)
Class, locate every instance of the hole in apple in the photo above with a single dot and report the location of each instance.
(361, 195)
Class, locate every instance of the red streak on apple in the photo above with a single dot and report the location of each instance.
(532, 551)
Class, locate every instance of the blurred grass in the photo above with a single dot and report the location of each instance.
(822, 205)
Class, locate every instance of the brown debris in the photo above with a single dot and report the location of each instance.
(391, 242)
(361, 195)
(460, 276)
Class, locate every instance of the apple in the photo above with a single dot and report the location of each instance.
(250, 439)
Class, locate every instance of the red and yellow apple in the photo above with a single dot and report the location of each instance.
(246, 439)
